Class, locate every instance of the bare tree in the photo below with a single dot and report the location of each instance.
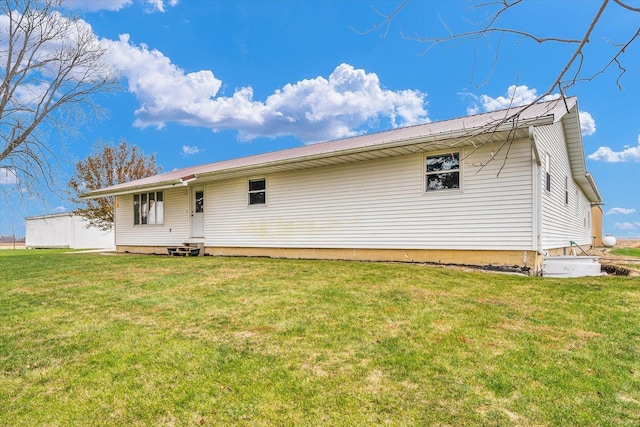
(52, 67)
(107, 166)
(567, 76)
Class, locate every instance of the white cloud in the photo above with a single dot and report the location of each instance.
(47, 59)
(188, 150)
(158, 5)
(624, 226)
(623, 211)
(59, 209)
(474, 109)
(587, 124)
(606, 154)
(523, 95)
(116, 5)
(94, 5)
(7, 176)
(515, 97)
(312, 110)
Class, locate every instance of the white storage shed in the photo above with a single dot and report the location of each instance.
(65, 230)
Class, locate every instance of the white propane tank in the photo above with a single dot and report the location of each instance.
(609, 241)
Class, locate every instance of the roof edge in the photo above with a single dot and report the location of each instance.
(106, 192)
(495, 128)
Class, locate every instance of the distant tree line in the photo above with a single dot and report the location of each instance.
(11, 239)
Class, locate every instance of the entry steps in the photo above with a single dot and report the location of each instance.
(187, 249)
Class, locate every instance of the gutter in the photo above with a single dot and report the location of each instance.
(537, 195)
(425, 139)
(589, 187)
(137, 188)
(534, 146)
(594, 187)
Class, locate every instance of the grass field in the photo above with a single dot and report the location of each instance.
(630, 258)
(630, 252)
(89, 339)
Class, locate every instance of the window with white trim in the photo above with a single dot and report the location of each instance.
(257, 191)
(566, 190)
(442, 171)
(148, 208)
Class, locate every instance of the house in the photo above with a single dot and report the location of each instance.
(65, 230)
(503, 188)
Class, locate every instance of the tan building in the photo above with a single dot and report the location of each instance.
(596, 225)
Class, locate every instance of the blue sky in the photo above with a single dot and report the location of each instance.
(204, 81)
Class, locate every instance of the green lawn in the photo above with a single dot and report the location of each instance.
(627, 263)
(89, 339)
(630, 252)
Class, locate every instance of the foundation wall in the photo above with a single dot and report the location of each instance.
(144, 250)
(567, 250)
(526, 261)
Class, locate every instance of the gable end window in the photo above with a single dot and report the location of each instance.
(257, 191)
(442, 172)
(148, 208)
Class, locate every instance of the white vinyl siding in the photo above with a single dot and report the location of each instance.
(380, 204)
(561, 222)
(65, 231)
(173, 231)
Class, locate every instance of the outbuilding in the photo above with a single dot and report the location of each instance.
(505, 188)
(65, 230)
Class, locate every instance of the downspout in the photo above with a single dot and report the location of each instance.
(537, 196)
(534, 147)
(116, 205)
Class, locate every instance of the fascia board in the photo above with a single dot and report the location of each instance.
(434, 138)
(130, 190)
(458, 136)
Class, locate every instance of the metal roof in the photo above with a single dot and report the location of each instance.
(469, 130)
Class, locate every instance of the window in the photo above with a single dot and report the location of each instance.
(443, 172)
(547, 169)
(148, 208)
(199, 201)
(566, 190)
(257, 191)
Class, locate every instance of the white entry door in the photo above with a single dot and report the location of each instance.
(197, 212)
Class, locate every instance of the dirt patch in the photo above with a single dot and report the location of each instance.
(18, 245)
(628, 243)
(620, 265)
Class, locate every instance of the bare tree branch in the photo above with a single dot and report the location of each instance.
(615, 60)
(488, 30)
(578, 51)
(53, 68)
(568, 75)
(627, 6)
(386, 21)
